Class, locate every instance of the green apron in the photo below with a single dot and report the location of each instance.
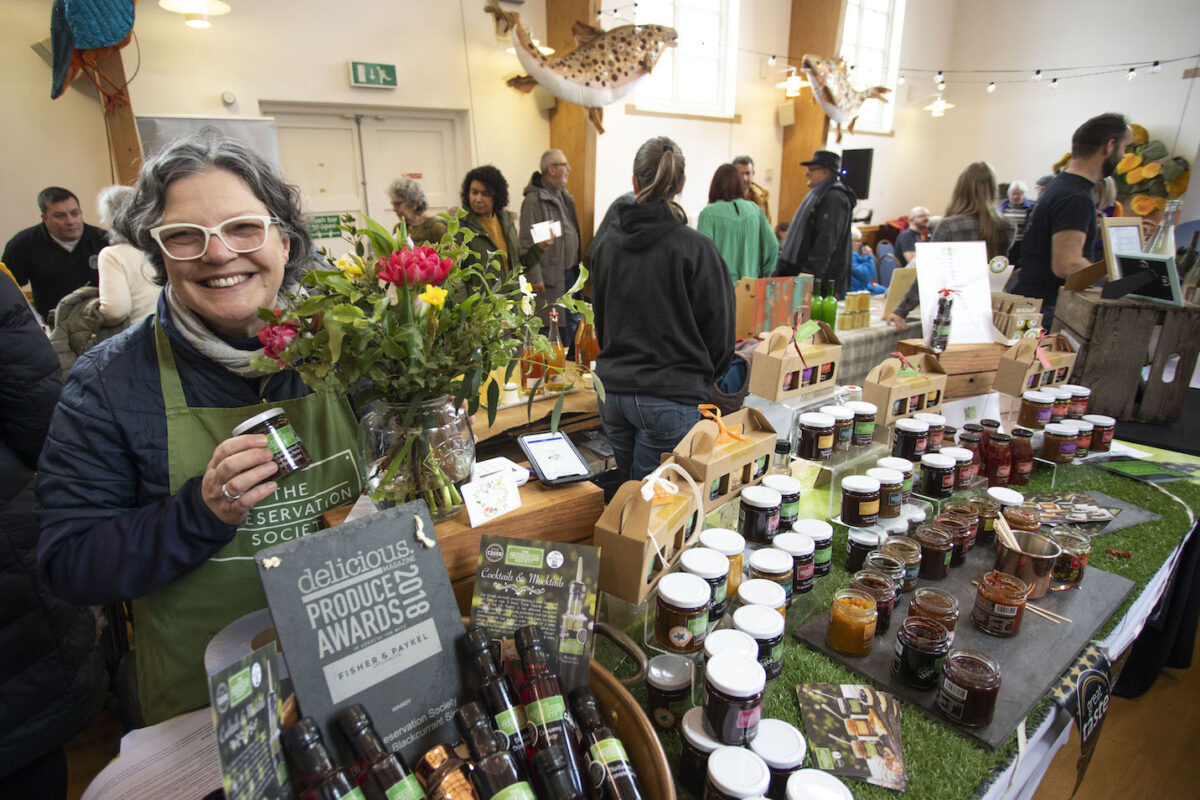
(175, 623)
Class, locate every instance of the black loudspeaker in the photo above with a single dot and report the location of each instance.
(856, 171)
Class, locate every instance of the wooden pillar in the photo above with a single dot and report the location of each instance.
(816, 29)
(570, 130)
(124, 145)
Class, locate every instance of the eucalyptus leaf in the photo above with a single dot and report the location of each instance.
(493, 402)
(556, 414)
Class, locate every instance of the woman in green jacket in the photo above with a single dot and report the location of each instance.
(739, 228)
(485, 196)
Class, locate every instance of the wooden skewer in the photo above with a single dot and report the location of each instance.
(1005, 534)
(1050, 615)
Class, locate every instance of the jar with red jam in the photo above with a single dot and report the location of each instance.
(973, 441)
(921, 646)
(1080, 397)
(1102, 432)
(968, 687)
(936, 548)
(990, 426)
(960, 536)
(1022, 457)
(1062, 403)
(999, 459)
(880, 587)
(967, 513)
(1000, 604)
(964, 466)
(936, 605)
(937, 430)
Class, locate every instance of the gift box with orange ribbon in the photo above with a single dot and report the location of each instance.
(723, 454)
(645, 528)
(902, 385)
(1035, 363)
(795, 360)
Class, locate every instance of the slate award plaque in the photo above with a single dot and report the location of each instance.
(365, 614)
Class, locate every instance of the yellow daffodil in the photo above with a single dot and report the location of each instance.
(434, 296)
(526, 296)
(350, 266)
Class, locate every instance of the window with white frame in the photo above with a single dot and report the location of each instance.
(871, 47)
(698, 75)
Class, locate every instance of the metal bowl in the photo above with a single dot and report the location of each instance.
(1033, 563)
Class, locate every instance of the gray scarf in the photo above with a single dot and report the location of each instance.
(198, 335)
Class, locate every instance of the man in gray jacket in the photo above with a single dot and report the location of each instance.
(546, 198)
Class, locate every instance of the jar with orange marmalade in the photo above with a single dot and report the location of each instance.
(852, 618)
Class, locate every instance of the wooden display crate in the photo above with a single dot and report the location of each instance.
(970, 368)
(1113, 338)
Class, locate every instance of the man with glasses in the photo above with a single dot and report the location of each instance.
(58, 255)
(753, 192)
(547, 200)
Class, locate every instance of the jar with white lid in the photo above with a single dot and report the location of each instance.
(713, 568)
(815, 438)
(1080, 397)
(1103, 429)
(821, 532)
(773, 565)
(801, 548)
(730, 640)
(1036, 409)
(730, 544)
(733, 695)
(860, 501)
(668, 689)
(1007, 498)
(783, 748)
(904, 467)
(937, 428)
(859, 542)
(864, 422)
(789, 498)
(758, 514)
(759, 592)
(937, 475)
(681, 617)
(735, 773)
(843, 426)
(891, 491)
(698, 744)
(765, 627)
(910, 439)
(964, 465)
(810, 784)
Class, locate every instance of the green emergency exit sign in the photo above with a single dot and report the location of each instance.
(372, 76)
(325, 226)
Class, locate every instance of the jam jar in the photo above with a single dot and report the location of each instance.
(1000, 604)
(735, 773)
(937, 475)
(1007, 498)
(800, 547)
(1062, 403)
(843, 426)
(908, 552)
(766, 628)
(999, 459)
(968, 687)
(713, 568)
(821, 532)
(964, 466)
(1102, 432)
(730, 544)
(287, 451)
(668, 689)
(935, 551)
(864, 422)
(968, 513)
(937, 430)
(729, 640)
(860, 501)
(949, 436)
(904, 467)
(1083, 437)
(973, 441)
(936, 605)
(1080, 397)
(783, 748)
(1058, 443)
(921, 646)
(733, 695)
(891, 491)
(910, 438)
(815, 442)
(1071, 563)
(774, 565)
(1020, 518)
(880, 587)
(989, 512)
(852, 617)
(789, 498)
(960, 536)
(1035, 409)
(859, 542)
(681, 620)
(888, 565)
(698, 744)
(761, 592)
(1022, 456)
(758, 514)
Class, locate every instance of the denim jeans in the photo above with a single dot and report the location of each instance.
(641, 428)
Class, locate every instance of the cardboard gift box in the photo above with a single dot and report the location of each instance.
(1034, 363)
(725, 455)
(902, 386)
(1014, 315)
(644, 529)
(764, 304)
(778, 372)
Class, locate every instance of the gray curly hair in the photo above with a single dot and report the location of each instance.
(109, 203)
(406, 190)
(202, 152)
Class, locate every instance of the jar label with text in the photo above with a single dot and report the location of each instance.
(550, 709)
(407, 789)
(825, 442)
(750, 717)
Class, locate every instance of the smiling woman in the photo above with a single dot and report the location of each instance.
(146, 493)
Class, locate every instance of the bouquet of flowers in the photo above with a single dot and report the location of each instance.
(410, 334)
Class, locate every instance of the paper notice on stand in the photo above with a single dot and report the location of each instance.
(177, 758)
(963, 268)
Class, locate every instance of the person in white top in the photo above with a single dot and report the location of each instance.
(126, 288)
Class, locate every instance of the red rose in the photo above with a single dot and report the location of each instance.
(276, 338)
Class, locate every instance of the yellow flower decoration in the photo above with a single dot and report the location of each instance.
(350, 266)
(434, 296)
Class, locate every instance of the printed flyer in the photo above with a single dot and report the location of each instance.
(854, 731)
(522, 582)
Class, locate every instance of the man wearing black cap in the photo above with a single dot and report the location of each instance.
(818, 240)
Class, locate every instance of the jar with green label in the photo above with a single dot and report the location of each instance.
(821, 532)
(287, 450)
(713, 568)
(789, 498)
(766, 628)
(681, 621)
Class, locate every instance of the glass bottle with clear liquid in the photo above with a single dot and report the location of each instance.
(1162, 243)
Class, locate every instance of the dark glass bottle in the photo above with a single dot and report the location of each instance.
(445, 776)
(382, 774)
(315, 774)
(545, 705)
(499, 694)
(939, 333)
(552, 768)
(609, 767)
(497, 773)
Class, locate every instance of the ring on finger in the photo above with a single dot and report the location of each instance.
(233, 498)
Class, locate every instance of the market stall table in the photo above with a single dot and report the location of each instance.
(863, 348)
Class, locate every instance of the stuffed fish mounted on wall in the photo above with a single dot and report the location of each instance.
(839, 100)
(604, 66)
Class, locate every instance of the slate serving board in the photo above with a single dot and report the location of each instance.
(1030, 662)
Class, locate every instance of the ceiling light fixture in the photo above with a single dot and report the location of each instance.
(196, 12)
(793, 84)
(938, 107)
(1132, 74)
(991, 88)
(1037, 75)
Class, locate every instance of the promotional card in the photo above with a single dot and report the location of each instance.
(853, 731)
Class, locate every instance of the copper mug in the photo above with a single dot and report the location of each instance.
(1032, 563)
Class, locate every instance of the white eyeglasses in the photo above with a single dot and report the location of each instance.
(186, 241)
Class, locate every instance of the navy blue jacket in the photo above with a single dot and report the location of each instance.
(111, 530)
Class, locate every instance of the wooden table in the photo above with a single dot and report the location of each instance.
(580, 412)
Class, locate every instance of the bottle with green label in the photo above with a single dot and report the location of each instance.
(574, 628)
(609, 769)
(380, 773)
(496, 689)
(316, 776)
(497, 774)
(549, 725)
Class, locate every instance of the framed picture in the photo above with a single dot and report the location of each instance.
(1165, 286)
(1120, 235)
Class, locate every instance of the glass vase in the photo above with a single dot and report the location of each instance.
(417, 451)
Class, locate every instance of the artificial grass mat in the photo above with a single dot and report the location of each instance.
(941, 763)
